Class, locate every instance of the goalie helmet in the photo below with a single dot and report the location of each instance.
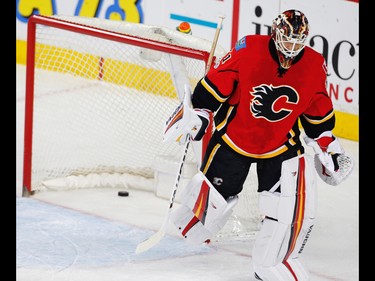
(289, 32)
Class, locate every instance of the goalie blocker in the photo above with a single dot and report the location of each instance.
(186, 122)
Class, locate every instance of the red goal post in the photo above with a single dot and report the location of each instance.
(97, 95)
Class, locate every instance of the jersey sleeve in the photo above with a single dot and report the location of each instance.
(220, 82)
(319, 116)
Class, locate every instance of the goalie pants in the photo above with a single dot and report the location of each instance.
(227, 170)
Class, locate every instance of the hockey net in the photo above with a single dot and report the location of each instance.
(98, 93)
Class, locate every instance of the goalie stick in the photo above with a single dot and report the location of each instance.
(157, 236)
(214, 42)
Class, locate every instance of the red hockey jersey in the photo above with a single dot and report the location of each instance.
(257, 106)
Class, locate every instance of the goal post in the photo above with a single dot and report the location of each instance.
(97, 95)
(102, 52)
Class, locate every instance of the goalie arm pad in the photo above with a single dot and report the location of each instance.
(186, 122)
(331, 163)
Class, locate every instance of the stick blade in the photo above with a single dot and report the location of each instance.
(150, 242)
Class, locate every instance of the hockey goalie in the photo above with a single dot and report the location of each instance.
(258, 93)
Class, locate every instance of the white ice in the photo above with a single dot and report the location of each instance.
(91, 234)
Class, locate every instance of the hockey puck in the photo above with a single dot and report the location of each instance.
(123, 193)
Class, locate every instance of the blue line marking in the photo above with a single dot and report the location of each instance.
(194, 21)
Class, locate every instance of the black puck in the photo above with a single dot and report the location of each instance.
(123, 193)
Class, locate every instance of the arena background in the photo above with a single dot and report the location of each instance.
(334, 32)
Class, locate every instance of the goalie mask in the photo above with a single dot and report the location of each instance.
(289, 32)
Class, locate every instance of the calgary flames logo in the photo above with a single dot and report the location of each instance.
(273, 103)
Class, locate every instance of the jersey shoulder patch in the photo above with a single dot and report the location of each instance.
(240, 43)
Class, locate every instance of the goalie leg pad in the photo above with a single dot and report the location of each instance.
(290, 270)
(191, 229)
(203, 211)
(289, 218)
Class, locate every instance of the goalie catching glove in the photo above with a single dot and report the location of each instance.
(186, 123)
(331, 163)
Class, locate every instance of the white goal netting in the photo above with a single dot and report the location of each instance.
(96, 108)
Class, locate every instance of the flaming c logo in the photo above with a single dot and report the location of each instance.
(273, 103)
